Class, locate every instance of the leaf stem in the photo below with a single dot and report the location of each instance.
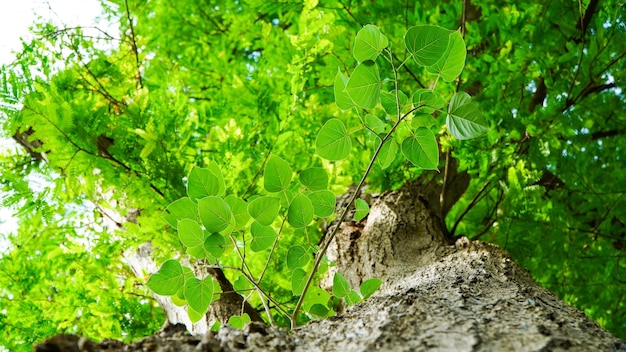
(346, 209)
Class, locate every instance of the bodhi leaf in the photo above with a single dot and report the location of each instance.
(264, 209)
(452, 62)
(239, 208)
(319, 310)
(421, 149)
(374, 123)
(426, 43)
(298, 280)
(342, 99)
(215, 245)
(239, 321)
(215, 214)
(323, 202)
(333, 142)
(297, 257)
(277, 174)
(202, 183)
(387, 153)
(314, 178)
(168, 279)
(465, 119)
(369, 43)
(388, 101)
(364, 85)
(368, 287)
(262, 237)
(353, 297)
(300, 212)
(362, 209)
(190, 233)
(429, 100)
(215, 168)
(183, 208)
(200, 293)
(242, 285)
(341, 287)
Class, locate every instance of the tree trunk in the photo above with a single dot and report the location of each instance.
(468, 296)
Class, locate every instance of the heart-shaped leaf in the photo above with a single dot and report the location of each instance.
(264, 209)
(263, 237)
(297, 257)
(168, 279)
(452, 62)
(342, 99)
(369, 43)
(314, 178)
(200, 293)
(364, 85)
(323, 203)
(300, 212)
(427, 43)
(277, 174)
(465, 119)
(215, 214)
(190, 233)
(333, 142)
(362, 209)
(421, 149)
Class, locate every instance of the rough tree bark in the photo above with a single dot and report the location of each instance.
(467, 296)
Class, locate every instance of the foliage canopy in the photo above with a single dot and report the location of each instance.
(238, 111)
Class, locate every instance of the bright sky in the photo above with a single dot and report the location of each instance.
(15, 18)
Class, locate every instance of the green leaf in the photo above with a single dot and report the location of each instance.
(333, 142)
(421, 149)
(168, 279)
(323, 203)
(239, 208)
(215, 245)
(277, 174)
(362, 209)
(300, 212)
(465, 119)
(215, 214)
(369, 43)
(239, 321)
(190, 233)
(429, 100)
(341, 287)
(452, 62)
(374, 123)
(353, 297)
(297, 257)
(200, 293)
(388, 101)
(202, 183)
(264, 209)
(427, 44)
(319, 310)
(314, 178)
(342, 99)
(242, 285)
(387, 153)
(298, 280)
(364, 85)
(180, 209)
(368, 287)
(215, 168)
(194, 316)
(263, 237)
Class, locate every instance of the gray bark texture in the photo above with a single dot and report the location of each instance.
(436, 296)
